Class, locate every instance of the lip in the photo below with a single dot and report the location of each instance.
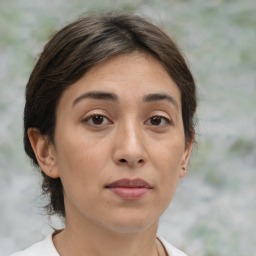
(129, 189)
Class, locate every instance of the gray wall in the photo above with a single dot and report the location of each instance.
(214, 210)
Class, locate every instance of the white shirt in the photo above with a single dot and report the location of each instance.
(47, 248)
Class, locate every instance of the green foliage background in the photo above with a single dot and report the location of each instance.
(214, 211)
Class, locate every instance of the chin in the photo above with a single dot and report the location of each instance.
(132, 223)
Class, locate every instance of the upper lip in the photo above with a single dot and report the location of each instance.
(129, 183)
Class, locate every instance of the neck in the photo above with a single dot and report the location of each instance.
(86, 239)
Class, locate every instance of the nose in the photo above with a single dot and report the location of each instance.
(129, 148)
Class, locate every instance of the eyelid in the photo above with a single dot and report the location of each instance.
(167, 120)
(161, 113)
(97, 112)
(87, 118)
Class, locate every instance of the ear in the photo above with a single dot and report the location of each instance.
(44, 151)
(185, 158)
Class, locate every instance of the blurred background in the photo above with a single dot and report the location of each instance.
(214, 210)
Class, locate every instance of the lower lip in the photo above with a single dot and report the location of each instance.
(129, 193)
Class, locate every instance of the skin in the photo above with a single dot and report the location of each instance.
(133, 136)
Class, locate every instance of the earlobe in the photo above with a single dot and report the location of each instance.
(185, 159)
(183, 172)
(44, 151)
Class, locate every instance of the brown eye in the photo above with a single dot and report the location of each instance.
(97, 119)
(158, 121)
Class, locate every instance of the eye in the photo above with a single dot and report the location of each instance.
(96, 120)
(158, 121)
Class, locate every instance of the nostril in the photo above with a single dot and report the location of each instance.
(123, 160)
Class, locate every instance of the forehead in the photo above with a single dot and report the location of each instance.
(129, 75)
(133, 65)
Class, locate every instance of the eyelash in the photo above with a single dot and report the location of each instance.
(166, 120)
(89, 120)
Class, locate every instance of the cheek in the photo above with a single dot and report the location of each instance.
(80, 169)
(81, 156)
(167, 162)
(168, 155)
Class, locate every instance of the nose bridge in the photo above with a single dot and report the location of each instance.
(129, 146)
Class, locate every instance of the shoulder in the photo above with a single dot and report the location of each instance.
(45, 247)
(171, 250)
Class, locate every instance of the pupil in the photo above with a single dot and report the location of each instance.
(156, 120)
(98, 119)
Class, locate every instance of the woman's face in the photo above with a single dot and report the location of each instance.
(119, 144)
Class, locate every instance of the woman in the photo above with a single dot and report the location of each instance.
(109, 121)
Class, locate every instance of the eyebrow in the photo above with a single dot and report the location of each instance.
(100, 95)
(160, 97)
(97, 95)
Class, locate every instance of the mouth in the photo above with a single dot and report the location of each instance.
(128, 189)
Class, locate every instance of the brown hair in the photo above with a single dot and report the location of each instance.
(73, 51)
